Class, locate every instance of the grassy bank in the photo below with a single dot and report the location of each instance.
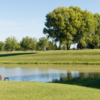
(46, 91)
(87, 57)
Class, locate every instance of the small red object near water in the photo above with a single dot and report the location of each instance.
(1, 78)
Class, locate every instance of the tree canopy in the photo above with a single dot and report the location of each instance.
(73, 25)
(2, 45)
(28, 43)
(11, 43)
(43, 43)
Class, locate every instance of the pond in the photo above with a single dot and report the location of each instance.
(44, 75)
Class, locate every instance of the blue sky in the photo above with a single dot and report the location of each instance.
(21, 18)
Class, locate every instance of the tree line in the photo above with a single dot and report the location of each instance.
(27, 43)
(73, 25)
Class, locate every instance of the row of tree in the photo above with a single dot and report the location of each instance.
(27, 43)
(73, 25)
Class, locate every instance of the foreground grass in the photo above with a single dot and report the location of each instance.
(46, 91)
(91, 57)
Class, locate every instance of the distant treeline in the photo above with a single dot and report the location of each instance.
(28, 43)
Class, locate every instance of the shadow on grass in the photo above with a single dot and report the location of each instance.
(92, 82)
(16, 54)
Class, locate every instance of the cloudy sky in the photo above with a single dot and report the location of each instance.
(21, 18)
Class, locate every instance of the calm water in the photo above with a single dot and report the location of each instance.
(42, 75)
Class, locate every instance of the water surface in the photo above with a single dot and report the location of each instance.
(44, 75)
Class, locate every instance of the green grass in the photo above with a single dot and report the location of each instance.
(46, 91)
(87, 57)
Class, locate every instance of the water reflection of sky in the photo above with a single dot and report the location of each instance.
(43, 75)
(75, 74)
(32, 74)
(7, 72)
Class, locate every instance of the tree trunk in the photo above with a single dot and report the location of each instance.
(68, 47)
(79, 46)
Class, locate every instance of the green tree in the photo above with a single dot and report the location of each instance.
(59, 48)
(55, 47)
(43, 43)
(93, 40)
(96, 37)
(50, 46)
(18, 46)
(64, 47)
(11, 43)
(28, 43)
(86, 29)
(2, 45)
(34, 44)
(61, 25)
(38, 47)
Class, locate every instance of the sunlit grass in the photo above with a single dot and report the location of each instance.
(46, 91)
(51, 57)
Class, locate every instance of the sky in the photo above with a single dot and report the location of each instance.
(21, 18)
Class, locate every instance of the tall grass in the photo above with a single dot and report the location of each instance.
(41, 62)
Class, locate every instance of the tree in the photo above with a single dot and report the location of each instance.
(18, 46)
(11, 43)
(2, 45)
(93, 40)
(38, 47)
(50, 46)
(34, 44)
(86, 30)
(96, 36)
(64, 47)
(43, 43)
(55, 47)
(59, 48)
(61, 25)
(28, 43)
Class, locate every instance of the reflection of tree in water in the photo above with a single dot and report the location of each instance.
(69, 76)
(83, 79)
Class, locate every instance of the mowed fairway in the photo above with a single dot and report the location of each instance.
(46, 91)
(63, 56)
